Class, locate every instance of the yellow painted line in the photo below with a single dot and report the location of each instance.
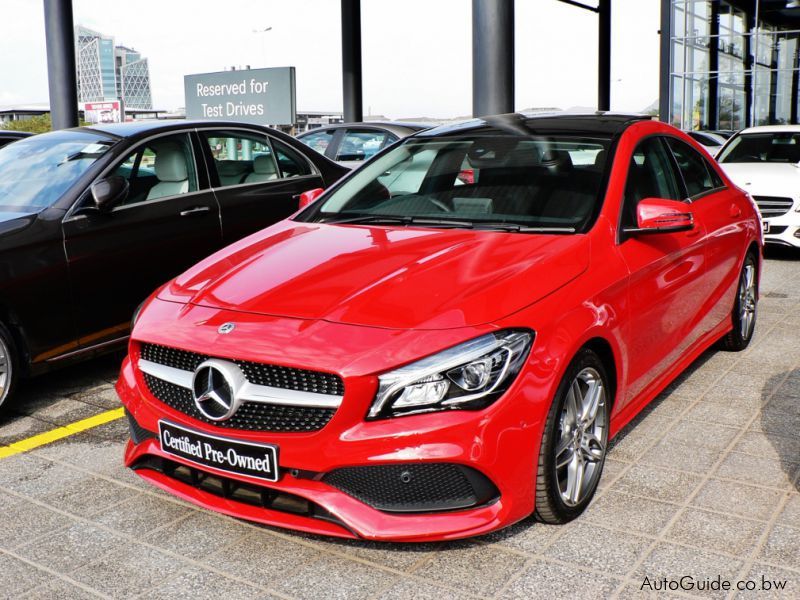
(61, 432)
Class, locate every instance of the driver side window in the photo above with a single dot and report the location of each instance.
(650, 175)
(162, 167)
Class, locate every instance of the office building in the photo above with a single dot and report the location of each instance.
(731, 63)
(109, 72)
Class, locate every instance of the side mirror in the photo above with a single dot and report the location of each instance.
(108, 193)
(659, 215)
(307, 198)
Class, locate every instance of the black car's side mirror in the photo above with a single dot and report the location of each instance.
(108, 193)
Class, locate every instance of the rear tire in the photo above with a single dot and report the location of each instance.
(574, 442)
(745, 308)
(9, 368)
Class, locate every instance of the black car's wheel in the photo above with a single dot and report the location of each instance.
(574, 442)
(8, 366)
(744, 308)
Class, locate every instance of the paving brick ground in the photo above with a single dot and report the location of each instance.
(705, 484)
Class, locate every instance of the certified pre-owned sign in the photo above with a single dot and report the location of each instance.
(260, 96)
(253, 460)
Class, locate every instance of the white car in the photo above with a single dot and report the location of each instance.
(707, 139)
(765, 161)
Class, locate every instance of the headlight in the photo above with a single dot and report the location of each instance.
(468, 376)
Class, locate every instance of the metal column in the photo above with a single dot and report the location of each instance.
(604, 55)
(59, 35)
(492, 57)
(712, 122)
(795, 84)
(665, 67)
(351, 61)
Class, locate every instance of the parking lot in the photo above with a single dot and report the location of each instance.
(705, 484)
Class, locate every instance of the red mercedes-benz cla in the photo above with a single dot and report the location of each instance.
(420, 355)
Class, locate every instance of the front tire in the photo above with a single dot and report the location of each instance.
(745, 308)
(574, 442)
(9, 367)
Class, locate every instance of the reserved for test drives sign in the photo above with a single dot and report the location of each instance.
(258, 96)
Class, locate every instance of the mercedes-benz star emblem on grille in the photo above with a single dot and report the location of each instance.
(215, 388)
(226, 328)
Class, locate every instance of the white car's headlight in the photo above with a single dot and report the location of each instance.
(468, 376)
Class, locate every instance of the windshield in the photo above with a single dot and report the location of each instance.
(550, 184)
(36, 171)
(776, 147)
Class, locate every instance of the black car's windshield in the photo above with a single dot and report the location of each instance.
(776, 147)
(548, 184)
(36, 171)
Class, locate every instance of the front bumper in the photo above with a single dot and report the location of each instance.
(499, 442)
(784, 230)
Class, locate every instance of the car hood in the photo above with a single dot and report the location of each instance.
(399, 278)
(14, 221)
(765, 179)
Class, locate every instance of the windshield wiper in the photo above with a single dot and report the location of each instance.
(402, 220)
(433, 222)
(518, 228)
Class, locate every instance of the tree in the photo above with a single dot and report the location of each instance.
(37, 124)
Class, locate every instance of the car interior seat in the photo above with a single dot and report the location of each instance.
(264, 169)
(785, 153)
(171, 171)
(233, 172)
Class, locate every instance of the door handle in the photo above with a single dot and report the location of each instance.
(735, 211)
(196, 210)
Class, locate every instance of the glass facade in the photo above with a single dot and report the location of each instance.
(733, 63)
(108, 72)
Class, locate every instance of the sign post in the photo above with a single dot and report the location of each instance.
(258, 96)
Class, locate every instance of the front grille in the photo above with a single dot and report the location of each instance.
(420, 487)
(232, 489)
(773, 206)
(251, 416)
(777, 229)
(287, 378)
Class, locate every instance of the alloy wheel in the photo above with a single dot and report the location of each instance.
(5, 370)
(747, 300)
(581, 445)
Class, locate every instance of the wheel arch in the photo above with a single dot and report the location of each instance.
(9, 318)
(602, 347)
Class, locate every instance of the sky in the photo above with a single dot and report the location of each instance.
(417, 54)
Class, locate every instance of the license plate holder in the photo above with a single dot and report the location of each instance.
(237, 457)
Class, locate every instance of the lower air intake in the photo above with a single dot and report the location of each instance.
(237, 491)
(413, 488)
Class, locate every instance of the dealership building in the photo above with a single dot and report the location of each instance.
(729, 64)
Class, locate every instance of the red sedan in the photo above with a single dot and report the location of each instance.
(415, 356)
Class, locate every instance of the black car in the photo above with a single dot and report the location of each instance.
(8, 136)
(350, 144)
(93, 219)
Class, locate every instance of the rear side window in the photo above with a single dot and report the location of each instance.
(698, 175)
(358, 145)
(319, 140)
(290, 162)
(241, 157)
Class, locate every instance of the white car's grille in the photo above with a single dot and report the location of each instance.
(773, 206)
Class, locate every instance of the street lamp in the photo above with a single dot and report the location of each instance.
(263, 45)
